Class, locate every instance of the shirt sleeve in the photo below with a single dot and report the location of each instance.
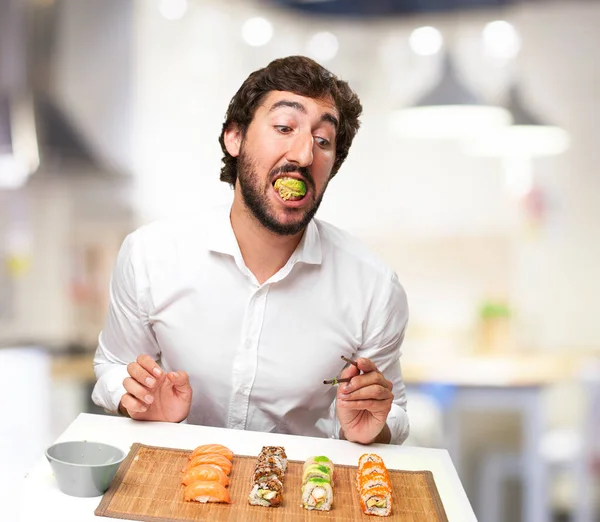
(127, 332)
(384, 334)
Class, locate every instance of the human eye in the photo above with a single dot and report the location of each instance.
(283, 129)
(324, 143)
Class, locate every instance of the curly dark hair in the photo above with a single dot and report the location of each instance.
(302, 76)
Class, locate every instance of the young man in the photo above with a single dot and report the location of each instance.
(235, 320)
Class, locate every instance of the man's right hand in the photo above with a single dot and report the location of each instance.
(155, 395)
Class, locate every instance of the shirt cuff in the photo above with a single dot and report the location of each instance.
(398, 423)
(109, 388)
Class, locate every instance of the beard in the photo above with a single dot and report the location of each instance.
(256, 198)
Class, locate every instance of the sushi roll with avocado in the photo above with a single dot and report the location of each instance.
(317, 494)
(321, 460)
(316, 471)
(267, 493)
(317, 484)
(267, 479)
(290, 188)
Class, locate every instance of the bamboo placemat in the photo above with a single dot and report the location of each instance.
(147, 487)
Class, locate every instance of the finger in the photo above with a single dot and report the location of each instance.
(181, 382)
(141, 375)
(368, 379)
(366, 365)
(133, 405)
(373, 406)
(374, 391)
(138, 391)
(179, 379)
(349, 372)
(149, 364)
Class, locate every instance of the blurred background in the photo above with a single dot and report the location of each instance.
(474, 176)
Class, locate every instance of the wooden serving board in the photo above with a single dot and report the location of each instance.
(147, 487)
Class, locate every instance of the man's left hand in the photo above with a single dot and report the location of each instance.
(363, 403)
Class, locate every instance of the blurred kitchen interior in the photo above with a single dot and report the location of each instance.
(110, 112)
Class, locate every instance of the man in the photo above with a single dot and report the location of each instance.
(235, 319)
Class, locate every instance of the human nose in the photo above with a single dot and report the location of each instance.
(301, 150)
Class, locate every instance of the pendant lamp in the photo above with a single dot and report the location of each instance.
(448, 111)
(527, 136)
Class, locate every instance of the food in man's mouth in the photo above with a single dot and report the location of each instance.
(290, 188)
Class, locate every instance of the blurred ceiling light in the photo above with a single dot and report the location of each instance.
(173, 9)
(448, 111)
(526, 137)
(19, 155)
(323, 46)
(426, 41)
(501, 40)
(257, 31)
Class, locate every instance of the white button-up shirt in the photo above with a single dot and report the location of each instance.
(256, 354)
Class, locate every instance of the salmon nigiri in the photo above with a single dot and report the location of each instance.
(210, 458)
(206, 491)
(205, 473)
(212, 448)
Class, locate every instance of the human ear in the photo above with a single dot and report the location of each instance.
(233, 140)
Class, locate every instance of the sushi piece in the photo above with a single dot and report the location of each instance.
(369, 457)
(377, 501)
(276, 451)
(316, 471)
(374, 485)
(272, 461)
(210, 458)
(212, 448)
(205, 473)
(267, 479)
(266, 472)
(317, 494)
(290, 188)
(374, 480)
(267, 493)
(206, 491)
(321, 460)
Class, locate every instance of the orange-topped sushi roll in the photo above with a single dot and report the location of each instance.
(376, 501)
(205, 473)
(210, 458)
(374, 485)
(212, 448)
(206, 491)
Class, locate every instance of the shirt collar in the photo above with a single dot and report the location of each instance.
(221, 239)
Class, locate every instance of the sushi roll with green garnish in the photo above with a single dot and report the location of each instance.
(317, 484)
(317, 494)
(290, 188)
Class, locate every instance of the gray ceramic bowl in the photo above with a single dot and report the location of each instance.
(82, 468)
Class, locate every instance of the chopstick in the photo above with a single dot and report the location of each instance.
(335, 380)
(349, 361)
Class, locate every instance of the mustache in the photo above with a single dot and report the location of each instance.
(289, 167)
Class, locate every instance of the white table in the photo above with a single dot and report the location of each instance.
(41, 500)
